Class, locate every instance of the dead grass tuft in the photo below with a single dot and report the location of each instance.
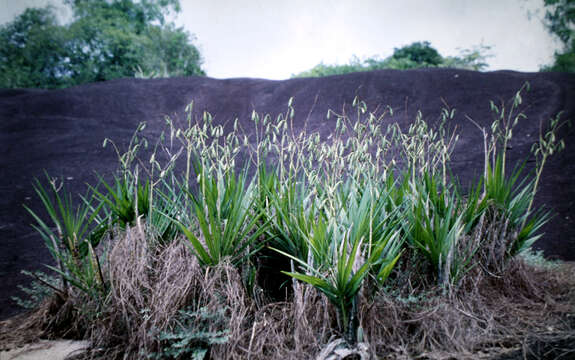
(58, 316)
(522, 311)
(295, 329)
(149, 285)
(487, 316)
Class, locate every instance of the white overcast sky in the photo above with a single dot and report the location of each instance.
(276, 38)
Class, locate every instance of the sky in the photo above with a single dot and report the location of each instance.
(274, 39)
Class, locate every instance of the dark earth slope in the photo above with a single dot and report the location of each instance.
(61, 131)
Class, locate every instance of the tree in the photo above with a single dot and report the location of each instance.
(107, 39)
(415, 55)
(420, 53)
(560, 21)
(141, 13)
(33, 51)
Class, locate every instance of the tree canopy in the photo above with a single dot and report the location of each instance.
(106, 39)
(415, 55)
(560, 21)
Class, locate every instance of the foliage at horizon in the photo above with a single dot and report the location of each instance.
(560, 21)
(413, 56)
(105, 40)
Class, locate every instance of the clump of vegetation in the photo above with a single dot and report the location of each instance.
(353, 245)
(413, 56)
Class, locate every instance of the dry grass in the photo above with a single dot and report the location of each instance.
(56, 317)
(148, 286)
(284, 330)
(524, 311)
(508, 310)
(488, 315)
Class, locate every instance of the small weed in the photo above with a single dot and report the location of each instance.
(42, 287)
(192, 334)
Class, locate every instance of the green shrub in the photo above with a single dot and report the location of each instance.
(192, 335)
(223, 211)
(413, 56)
(71, 236)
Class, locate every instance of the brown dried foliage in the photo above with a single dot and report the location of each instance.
(521, 311)
(149, 284)
(488, 316)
